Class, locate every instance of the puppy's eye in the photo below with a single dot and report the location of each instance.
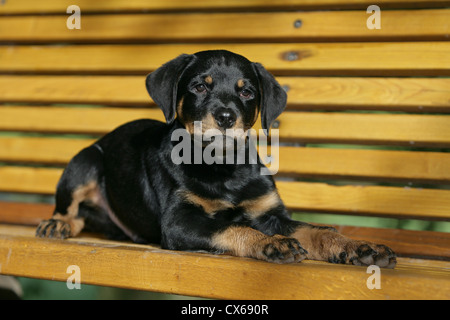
(200, 88)
(246, 94)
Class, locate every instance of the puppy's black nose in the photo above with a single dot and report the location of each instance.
(225, 118)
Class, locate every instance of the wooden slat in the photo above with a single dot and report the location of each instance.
(59, 7)
(218, 27)
(25, 213)
(398, 129)
(391, 94)
(380, 201)
(41, 150)
(423, 58)
(74, 120)
(405, 243)
(310, 162)
(104, 262)
(29, 180)
(388, 129)
(368, 164)
(360, 200)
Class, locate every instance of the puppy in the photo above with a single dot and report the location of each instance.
(131, 184)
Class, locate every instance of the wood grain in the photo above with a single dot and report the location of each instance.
(384, 129)
(108, 263)
(344, 59)
(365, 164)
(366, 200)
(228, 27)
(307, 93)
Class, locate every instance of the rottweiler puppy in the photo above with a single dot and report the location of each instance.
(130, 184)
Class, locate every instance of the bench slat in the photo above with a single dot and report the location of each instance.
(59, 7)
(374, 200)
(366, 164)
(383, 165)
(387, 129)
(432, 244)
(361, 200)
(375, 59)
(212, 276)
(390, 94)
(397, 129)
(248, 27)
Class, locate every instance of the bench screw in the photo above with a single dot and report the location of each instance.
(298, 23)
(291, 56)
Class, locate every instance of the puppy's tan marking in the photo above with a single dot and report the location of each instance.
(239, 241)
(208, 79)
(209, 122)
(210, 206)
(180, 108)
(260, 205)
(240, 83)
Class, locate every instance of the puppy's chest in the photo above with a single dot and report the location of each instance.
(233, 208)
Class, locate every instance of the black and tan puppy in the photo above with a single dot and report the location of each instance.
(128, 186)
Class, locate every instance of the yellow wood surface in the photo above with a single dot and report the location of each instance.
(383, 201)
(391, 94)
(371, 164)
(389, 129)
(147, 267)
(399, 129)
(59, 7)
(381, 58)
(66, 119)
(249, 27)
(366, 164)
(361, 200)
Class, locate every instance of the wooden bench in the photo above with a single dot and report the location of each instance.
(366, 133)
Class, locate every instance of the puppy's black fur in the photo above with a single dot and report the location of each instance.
(126, 185)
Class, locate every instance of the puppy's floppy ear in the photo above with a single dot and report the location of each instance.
(162, 84)
(273, 97)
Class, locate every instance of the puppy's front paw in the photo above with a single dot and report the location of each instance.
(373, 254)
(280, 249)
(362, 253)
(53, 228)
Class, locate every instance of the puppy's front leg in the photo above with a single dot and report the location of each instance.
(188, 227)
(326, 244)
(244, 241)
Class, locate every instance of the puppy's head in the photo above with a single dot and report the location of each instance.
(221, 89)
